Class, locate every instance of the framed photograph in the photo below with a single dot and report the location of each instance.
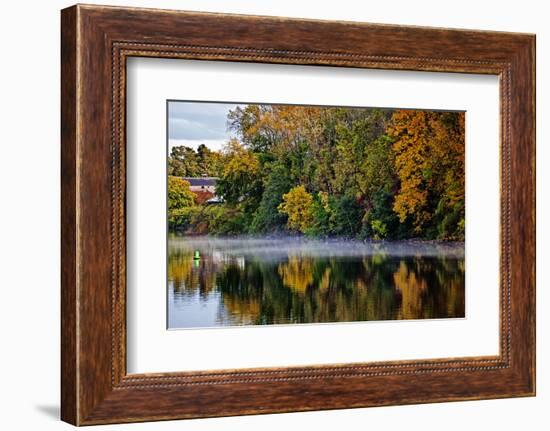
(265, 215)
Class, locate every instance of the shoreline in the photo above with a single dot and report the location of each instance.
(305, 238)
(268, 247)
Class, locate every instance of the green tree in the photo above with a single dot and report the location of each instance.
(356, 135)
(345, 216)
(240, 179)
(321, 212)
(268, 217)
(183, 162)
(209, 162)
(248, 122)
(380, 221)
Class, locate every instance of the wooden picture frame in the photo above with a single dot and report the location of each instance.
(95, 43)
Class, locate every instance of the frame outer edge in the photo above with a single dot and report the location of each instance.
(69, 211)
(533, 54)
(532, 101)
(88, 397)
(523, 216)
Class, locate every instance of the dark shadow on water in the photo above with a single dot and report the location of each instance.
(52, 411)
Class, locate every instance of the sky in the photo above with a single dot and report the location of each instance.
(195, 123)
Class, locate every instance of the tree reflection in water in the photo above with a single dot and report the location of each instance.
(258, 282)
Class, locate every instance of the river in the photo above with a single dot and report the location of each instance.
(216, 282)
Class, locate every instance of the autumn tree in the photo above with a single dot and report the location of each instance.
(297, 205)
(273, 128)
(429, 161)
(335, 171)
(179, 194)
(449, 175)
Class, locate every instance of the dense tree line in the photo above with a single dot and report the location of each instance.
(185, 162)
(363, 173)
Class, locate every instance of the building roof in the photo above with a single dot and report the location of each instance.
(201, 181)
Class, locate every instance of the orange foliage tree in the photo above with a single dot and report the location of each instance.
(429, 162)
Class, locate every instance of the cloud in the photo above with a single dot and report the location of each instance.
(198, 121)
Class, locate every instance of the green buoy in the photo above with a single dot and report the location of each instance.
(197, 255)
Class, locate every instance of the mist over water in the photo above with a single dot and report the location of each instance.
(281, 247)
(235, 281)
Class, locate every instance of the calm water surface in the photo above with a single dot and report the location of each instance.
(252, 281)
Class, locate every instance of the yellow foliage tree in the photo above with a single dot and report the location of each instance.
(297, 205)
(179, 194)
(429, 161)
